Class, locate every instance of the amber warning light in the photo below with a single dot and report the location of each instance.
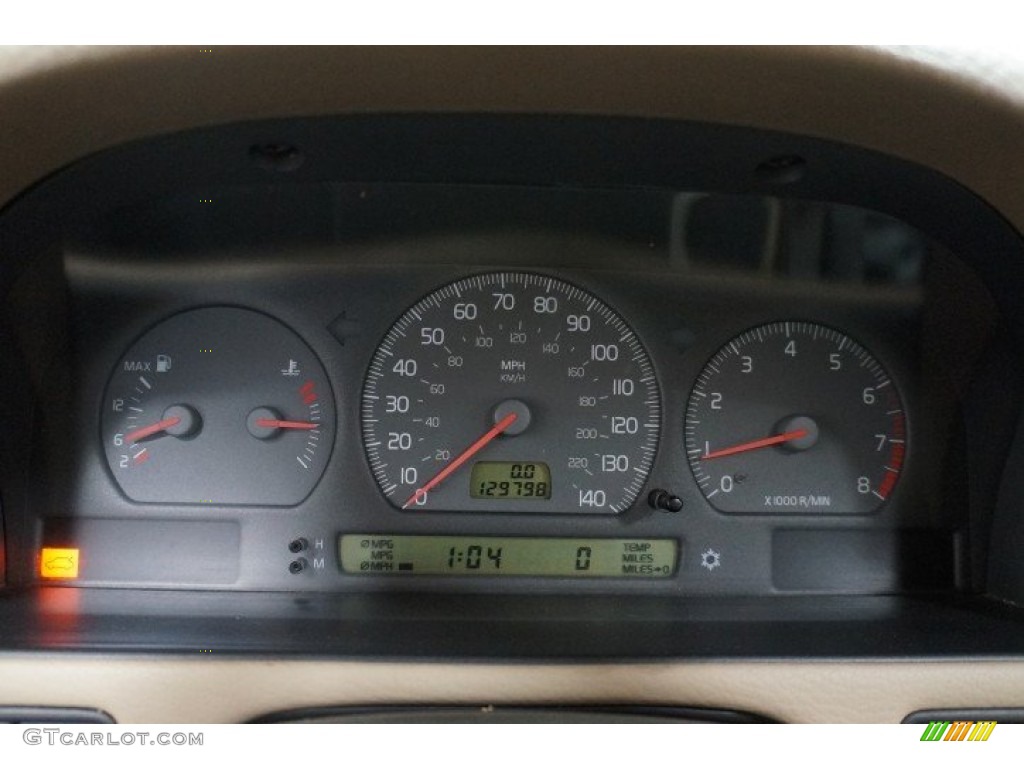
(57, 563)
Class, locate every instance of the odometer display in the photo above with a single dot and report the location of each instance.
(510, 480)
(507, 556)
(500, 366)
(795, 418)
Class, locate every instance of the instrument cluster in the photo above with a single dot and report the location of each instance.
(531, 426)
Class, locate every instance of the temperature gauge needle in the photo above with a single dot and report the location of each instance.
(753, 445)
(279, 424)
(144, 432)
(463, 457)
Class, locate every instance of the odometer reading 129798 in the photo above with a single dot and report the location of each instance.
(511, 392)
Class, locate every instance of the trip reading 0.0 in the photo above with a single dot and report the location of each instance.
(510, 480)
(507, 556)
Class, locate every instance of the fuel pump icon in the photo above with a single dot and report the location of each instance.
(163, 363)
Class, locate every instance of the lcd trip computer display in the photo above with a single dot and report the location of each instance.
(507, 556)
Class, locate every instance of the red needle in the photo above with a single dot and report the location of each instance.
(278, 424)
(463, 457)
(753, 445)
(152, 429)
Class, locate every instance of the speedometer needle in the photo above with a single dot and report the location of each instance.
(753, 445)
(462, 458)
(152, 429)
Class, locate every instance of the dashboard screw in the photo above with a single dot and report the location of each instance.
(277, 156)
(665, 501)
(782, 169)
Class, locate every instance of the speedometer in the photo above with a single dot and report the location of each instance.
(511, 392)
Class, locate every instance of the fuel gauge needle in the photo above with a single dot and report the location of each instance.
(753, 445)
(463, 457)
(143, 432)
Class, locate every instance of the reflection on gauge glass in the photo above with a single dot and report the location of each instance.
(795, 418)
(218, 406)
(511, 392)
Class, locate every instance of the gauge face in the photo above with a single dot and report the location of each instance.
(795, 418)
(218, 406)
(511, 392)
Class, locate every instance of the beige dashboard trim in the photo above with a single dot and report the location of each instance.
(212, 690)
(957, 110)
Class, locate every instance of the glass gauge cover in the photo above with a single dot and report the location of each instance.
(511, 392)
(795, 418)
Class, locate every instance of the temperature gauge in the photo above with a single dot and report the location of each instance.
(218, 406)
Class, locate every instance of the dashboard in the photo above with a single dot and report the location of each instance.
(438, 395)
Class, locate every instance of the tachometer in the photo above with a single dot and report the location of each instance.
(795, 418)
(511, 392)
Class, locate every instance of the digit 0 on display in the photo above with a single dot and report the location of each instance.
(484, 377)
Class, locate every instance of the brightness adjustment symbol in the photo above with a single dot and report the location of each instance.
(710, 559)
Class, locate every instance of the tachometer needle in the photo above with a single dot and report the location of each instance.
(463, 457)
(279, 424)
(152, 429)
(753, 445)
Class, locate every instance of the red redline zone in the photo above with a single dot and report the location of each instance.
(897, 451)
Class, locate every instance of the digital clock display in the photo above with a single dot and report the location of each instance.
(507, 556)
(510, 480)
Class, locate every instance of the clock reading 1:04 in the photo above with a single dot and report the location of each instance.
(473, 555)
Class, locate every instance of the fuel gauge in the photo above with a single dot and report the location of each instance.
(218, 406)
